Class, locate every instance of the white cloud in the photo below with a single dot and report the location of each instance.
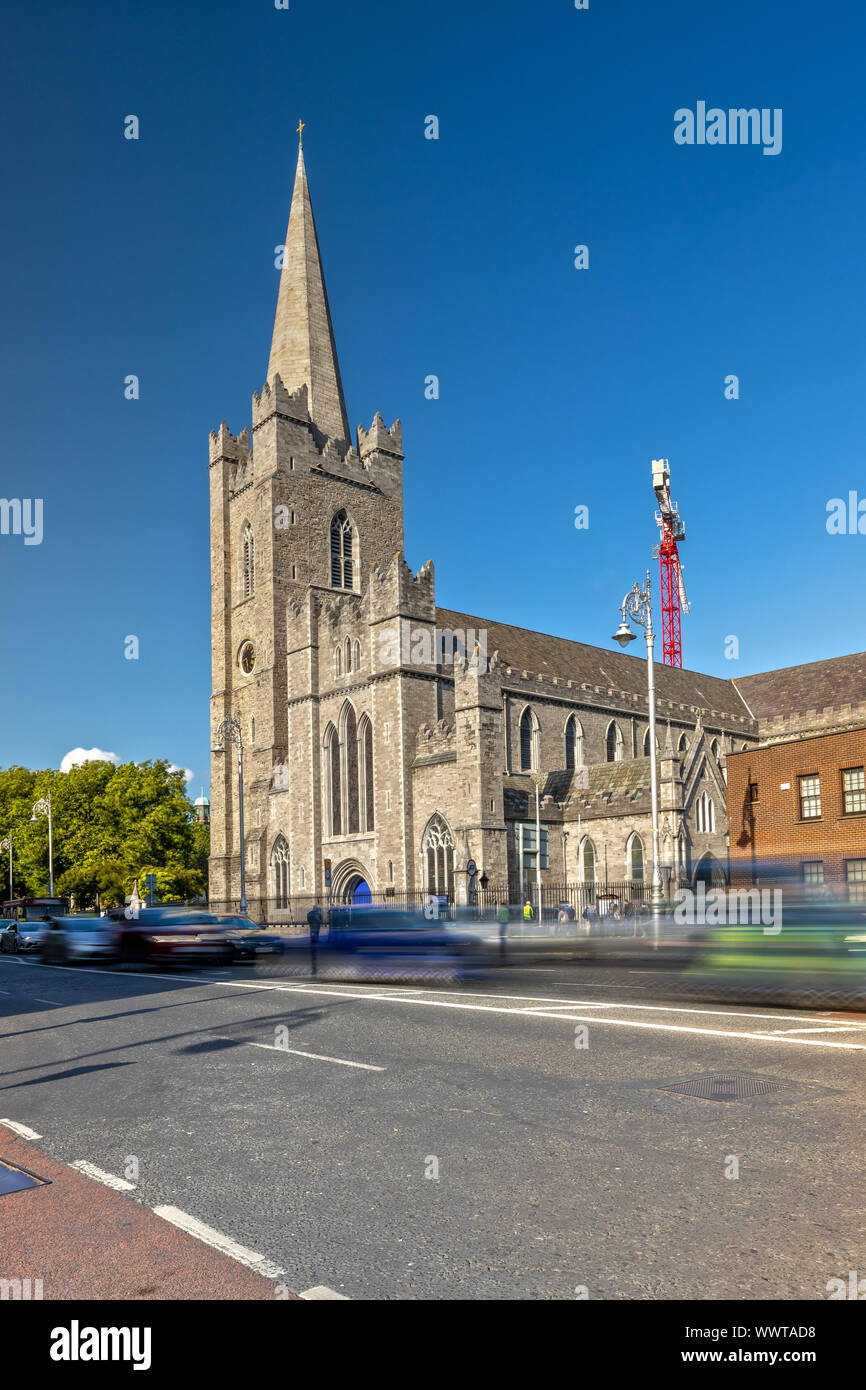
(188, 773)
(76, 756)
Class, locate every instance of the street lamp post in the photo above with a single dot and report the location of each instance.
(637, 605)
(7, 844)
(229, 731)
(43, 808)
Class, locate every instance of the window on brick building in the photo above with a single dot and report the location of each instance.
(855, 877)
(813, 872)
(853, 790)
(810, 797)
(753, 791)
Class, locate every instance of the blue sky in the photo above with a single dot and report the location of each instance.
(453, 257)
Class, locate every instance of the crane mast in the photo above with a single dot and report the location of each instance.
(673, 589)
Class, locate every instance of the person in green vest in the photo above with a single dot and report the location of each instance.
(528, 914)
(503, 917)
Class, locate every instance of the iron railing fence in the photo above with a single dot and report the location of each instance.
(559, 902)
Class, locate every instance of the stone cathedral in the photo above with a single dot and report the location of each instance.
(396, 739)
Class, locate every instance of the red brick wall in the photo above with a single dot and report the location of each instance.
(771, 828)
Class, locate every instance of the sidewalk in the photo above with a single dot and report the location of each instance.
(85, 1241)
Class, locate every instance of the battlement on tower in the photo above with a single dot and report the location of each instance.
(379, 439)
(224, 445)
(394, 589)
(275, 399)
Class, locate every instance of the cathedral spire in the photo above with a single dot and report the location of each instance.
(302, 349)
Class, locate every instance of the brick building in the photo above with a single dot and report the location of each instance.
(797, 799)
(391, 736)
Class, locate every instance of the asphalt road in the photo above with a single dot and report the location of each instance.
(306, 1120)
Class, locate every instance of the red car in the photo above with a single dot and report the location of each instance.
(171, 936)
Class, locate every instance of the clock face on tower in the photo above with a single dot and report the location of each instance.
(248, 658)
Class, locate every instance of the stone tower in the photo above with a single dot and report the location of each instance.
(276, 495)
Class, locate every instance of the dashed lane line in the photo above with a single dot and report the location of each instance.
(90, 1170)
(22, 1131)
(217, 1241)
(316, 1056)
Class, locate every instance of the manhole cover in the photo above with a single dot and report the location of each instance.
(741, 1086)
(730, 1086)
(14, 1179)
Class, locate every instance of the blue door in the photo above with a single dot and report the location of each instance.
(361, 892)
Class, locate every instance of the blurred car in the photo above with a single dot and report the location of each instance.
(388, 941)
(23, 937)
(8, 934)
(249, 940)
(67, 939)
(161, 935)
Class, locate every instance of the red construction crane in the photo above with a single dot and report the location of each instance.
(673, 590)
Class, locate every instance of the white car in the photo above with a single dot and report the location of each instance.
(66, 939)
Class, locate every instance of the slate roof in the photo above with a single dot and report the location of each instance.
(545, 655)
(818, 685)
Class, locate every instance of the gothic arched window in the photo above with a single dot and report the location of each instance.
(332, 780)
(683, 745)
(587, 861)
(338, 661)
(365, 761)
(342, 552)
(528, 741)
(348, 656)
(573, 743)
(437, 848)
(280, 877)
(613, 742)
(349, 741)
(248, 560)
(634, 859)
(646, 744)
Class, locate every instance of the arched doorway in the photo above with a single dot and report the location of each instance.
(361, 893)
(709, 871)
(351, 883)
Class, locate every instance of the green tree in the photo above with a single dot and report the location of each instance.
(111, 825)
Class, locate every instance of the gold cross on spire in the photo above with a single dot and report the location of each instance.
(300, 132)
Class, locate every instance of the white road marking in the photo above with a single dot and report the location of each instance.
(599, 1018)
(48, 1001)
(99, 1175)
(442, 1003)
(835, 1028)
(20, 1129)
(321, 1291)
(217, 1241)
(316, 1056)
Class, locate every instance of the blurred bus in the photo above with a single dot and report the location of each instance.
(34, 909)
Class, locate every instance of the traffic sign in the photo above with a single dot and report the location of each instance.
(472, 868)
